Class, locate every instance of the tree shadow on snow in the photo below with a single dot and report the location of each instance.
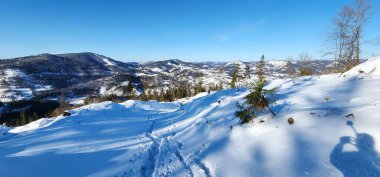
(259, 168)
(341, 97)
(304, 82)
(364, 161)
(281, 107)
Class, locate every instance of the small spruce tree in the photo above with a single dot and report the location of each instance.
(258, 100)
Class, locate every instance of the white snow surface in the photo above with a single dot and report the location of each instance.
(77, 101)
(278, 63)
(369, 68)
(106, 60)
(203, 138)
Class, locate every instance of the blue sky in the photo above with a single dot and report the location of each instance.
(190, 30)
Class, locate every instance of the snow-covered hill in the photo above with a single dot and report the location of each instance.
(336, 133)
(77, 74)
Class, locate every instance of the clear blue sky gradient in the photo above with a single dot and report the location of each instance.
(190, 30)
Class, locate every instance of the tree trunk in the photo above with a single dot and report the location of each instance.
(271, 110)
(358, 46)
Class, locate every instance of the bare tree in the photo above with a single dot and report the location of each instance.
(304, 60)
(347, 33)
(344, 37)
(290, 67)
(305, 57)
(362, 14)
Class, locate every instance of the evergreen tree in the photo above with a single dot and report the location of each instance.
(234, 76)
(181, 92)
(245, 114)
(200, 87)
(258, 100)
(247, 74)
(188, 92)
(260, 69)
(23, 118)
(62, 100)
(169, 96)
(161, 96)
(34, 117)
(144, 96)
(149, 95)
(156, 96)
(220, 86)
(129, 87)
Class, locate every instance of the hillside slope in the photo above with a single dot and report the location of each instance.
(203, 138)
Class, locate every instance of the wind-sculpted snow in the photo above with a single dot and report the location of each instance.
(200, 137)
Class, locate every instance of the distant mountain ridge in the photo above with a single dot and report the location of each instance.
(87, 73)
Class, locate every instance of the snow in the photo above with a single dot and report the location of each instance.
(106, 60)
(237, 62)
(144, 74)
(41, 88)
(371, 67)
(137, 138)
(77, 101)
(125, 83)
(44, 122)
(118, 90)
(159, 70)
(102, 90)
(277, 63)
(9, 73)
(9, 87)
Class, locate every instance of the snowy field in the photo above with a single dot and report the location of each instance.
(203, 138)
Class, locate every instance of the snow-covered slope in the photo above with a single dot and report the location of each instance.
(16, 85)
(369, 68)
(203, 138)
